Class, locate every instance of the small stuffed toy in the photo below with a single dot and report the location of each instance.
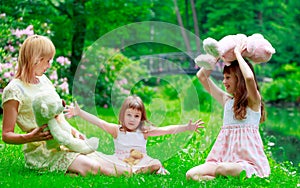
(257, 50)
(48, 109)
(134, 158)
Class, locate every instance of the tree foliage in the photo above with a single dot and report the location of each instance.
(76, 24)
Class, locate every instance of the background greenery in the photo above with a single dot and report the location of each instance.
(74, 25)
(85, 21)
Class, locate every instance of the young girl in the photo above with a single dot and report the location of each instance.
(35, 58)
(238, 146)
(132, 133)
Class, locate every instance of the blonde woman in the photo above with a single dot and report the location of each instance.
(35, 58)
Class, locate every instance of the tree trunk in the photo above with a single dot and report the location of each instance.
(79, 28)
(196, 27)
(179, 19)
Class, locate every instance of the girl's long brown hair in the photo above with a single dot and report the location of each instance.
(241, 93)
(136, 103)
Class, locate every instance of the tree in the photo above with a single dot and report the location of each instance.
(195, 23)
(179, 19)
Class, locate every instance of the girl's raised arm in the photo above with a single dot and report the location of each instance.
(253, 93)
(174, 129)
(211, 87)
(110, 128)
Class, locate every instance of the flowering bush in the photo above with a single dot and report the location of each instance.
(57, 75)
(11, 39)
(111, 86)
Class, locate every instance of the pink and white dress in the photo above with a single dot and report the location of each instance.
(239, 142)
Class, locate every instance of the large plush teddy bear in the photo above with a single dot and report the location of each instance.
(257, 49)
(48, 109)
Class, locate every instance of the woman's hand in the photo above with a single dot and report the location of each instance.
(195, 126)
(78, 134)
(39, 134)
(72, 110)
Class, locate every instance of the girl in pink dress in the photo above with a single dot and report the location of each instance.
(132, 133)
(238, 146)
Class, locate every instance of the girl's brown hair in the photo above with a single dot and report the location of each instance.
(241, 93)
(136, 103)
(33, 49)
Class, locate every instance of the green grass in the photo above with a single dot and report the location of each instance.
(187, 150)
(13, 174)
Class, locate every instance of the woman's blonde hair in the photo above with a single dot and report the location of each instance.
(33, 49)
(136, 103)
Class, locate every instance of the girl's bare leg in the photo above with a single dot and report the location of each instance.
(229, 169)
(206, 171)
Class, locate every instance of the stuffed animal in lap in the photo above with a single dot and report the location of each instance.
(134, 158)
(48, 109)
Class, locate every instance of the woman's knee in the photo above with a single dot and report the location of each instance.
(84, 165)
(90, 167)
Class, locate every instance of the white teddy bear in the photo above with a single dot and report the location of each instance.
(48, 109)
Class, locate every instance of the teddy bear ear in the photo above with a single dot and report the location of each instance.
(44, 109)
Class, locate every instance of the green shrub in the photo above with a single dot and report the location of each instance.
(285, 86)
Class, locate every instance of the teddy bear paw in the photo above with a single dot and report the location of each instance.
(206, 61)
(210, 45)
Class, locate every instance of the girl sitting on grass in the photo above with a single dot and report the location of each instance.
(132, 133)
(238, 146)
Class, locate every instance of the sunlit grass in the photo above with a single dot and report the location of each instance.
(192, 151)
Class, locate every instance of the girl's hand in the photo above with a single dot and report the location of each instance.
(195, 126)
(38, 134)
(72, 110)
(240, 47)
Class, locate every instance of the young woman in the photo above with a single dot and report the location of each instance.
(35, 58)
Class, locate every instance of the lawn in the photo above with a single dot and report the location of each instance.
(177, 152)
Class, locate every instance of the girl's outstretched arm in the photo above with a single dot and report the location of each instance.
(110, 128)
(174, 129)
